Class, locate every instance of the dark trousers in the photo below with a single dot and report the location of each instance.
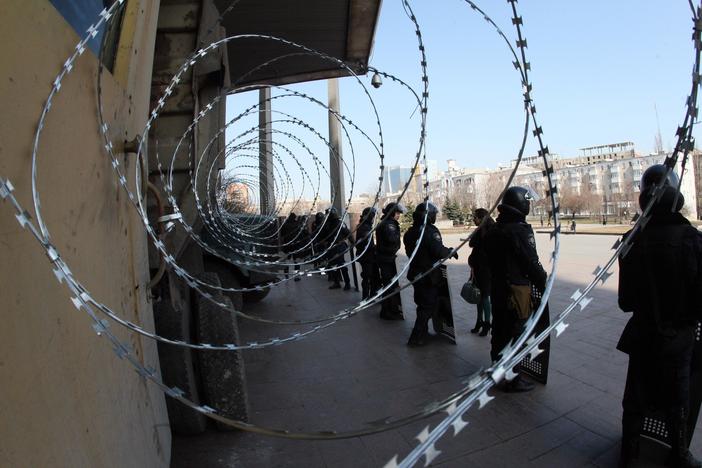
(293, 257)
(505, 327)
(426, 297)
(391, 304)
(370, 279)
(660, 377)
(336, 261)
(338, 273)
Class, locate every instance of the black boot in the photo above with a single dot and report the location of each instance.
(683, 460)
(485, 329)
(478, 326)
(416, 339)
(629, 451)
(387, 314)
(680, 456)
(517, 385)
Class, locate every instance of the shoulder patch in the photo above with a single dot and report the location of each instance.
(531, 240)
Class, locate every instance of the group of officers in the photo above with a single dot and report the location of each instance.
(379, 269)
(660, 282)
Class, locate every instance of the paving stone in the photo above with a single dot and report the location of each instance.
(577, 451)
(602, 416)
(360, 370)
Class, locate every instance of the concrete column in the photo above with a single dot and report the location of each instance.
(336, 160)
(265, 153)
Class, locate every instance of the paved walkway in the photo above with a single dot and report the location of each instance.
(361, 370)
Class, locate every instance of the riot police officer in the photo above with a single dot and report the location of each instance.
(660, 280)
(317, 240)
(515, 268)
(431, 249)
(370, 276)
(294, 237)
(387, 236)
(335, 234)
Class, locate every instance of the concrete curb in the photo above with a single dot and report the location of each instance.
(583, 233)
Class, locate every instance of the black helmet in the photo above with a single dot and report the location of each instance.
(393, 207)
(333, 214)
(421, 210)
(319, 217)
(368, 214)
(653, 177)
(516, 199)
(292, 217)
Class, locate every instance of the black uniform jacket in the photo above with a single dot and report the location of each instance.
(430, 250)
(660, 281)
(294, 236)
(387, 238)
(511, 250)
(335, 233)
(366, 244)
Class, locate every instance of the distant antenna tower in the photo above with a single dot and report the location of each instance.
(659, 139)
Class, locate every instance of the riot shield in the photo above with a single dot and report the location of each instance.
(654, 424)
(537, 368)
(443, 316)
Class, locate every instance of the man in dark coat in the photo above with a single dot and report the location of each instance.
(318, 244)
(388, 242)
(513, 260)
(336, 234)
(431, 249)
(660, 281)
(288, 233)
(370, 275)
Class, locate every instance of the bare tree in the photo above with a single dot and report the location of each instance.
(591, 200)
(569, 199)
(465, 199)
(624, 199)
(489, 189)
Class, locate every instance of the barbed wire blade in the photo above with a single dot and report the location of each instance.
(431, 454)
(484, 399)
(576, 295)
(474, 380)
(535, 352)
(451, 409)
(60, 276)
(423, 436)
(584, 302)
(392, 463)
(77, 303)
(510, 374)
(458, 425)
(5, 188)
(560, 328)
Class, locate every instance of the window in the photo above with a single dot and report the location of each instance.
(80, 14)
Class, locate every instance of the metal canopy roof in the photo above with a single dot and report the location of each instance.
(342, 29)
